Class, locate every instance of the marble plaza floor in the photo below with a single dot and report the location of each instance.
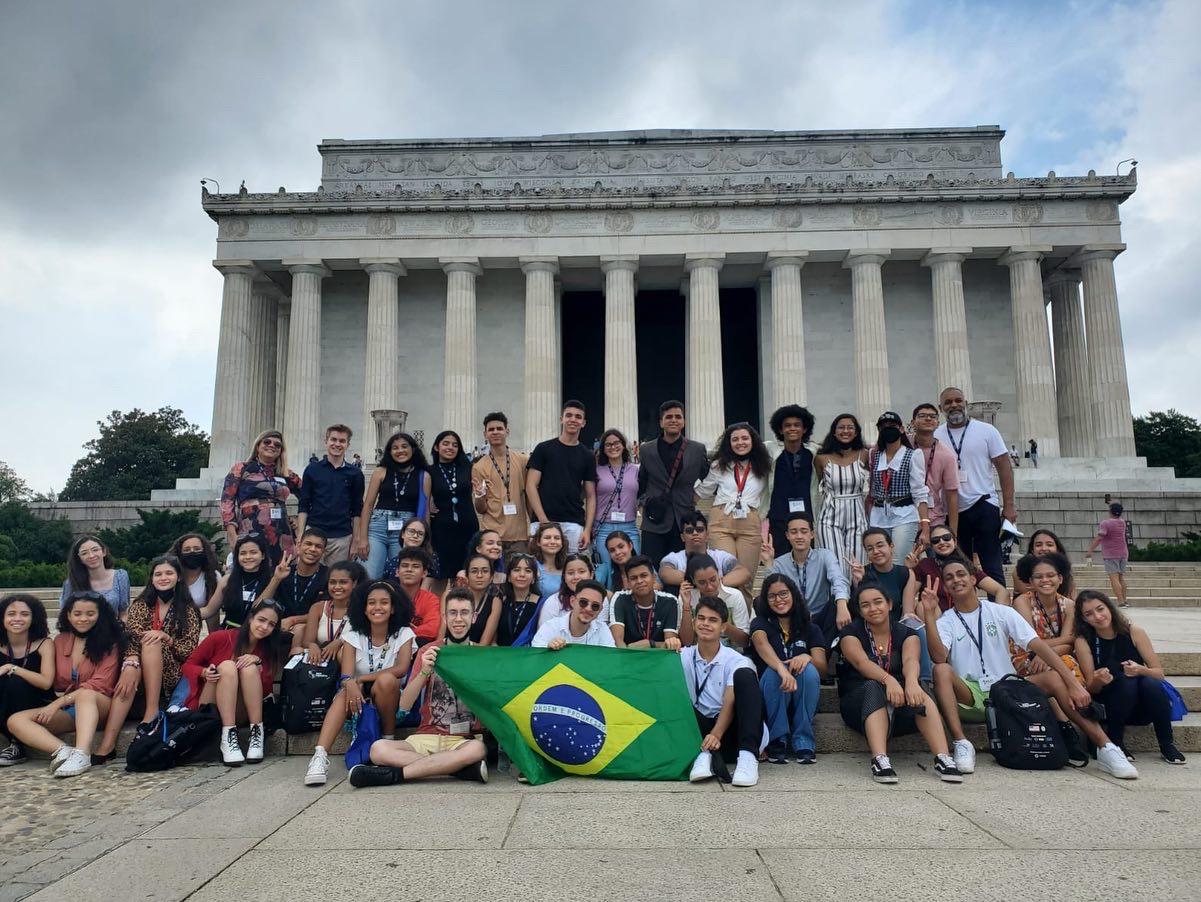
(804, 833)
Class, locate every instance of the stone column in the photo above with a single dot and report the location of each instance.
(231, 395)
(302, 406)
(1073, 384)
(1114, 429)
(703, 369)
(1037, 417)
(767, 379)
(381, 374)
(873, 391)
(459, 372)
(621, 352)
(283, 327)
(952, 363)
(787, 327)
(262, 357)
(542, 378)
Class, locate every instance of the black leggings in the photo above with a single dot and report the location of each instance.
(861, 702)
(747, 730)
(18, 695)
(1136, 700)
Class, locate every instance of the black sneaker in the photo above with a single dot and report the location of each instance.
(776, 753)
(882, 771)
(805, 756)
(14, 754)
(374, 775)
(475, 773)
(944, 766)
(1170, 754)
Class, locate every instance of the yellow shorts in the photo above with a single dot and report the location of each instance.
(432, 743)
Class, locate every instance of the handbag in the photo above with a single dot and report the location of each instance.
(366, 731)
(172, 739)
(1179, 708)
(656, 509)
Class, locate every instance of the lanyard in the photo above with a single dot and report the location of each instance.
(298, 597)
(977, 640)
(650, 622)
(329, 622)
(504, 477)
(929, 458)
(1055, 622)
(803, 572)
(399, 491)
(958, 448)
(156, 622)
(452, 481)
(618, 478)
(794, 463)
(385, 650)
(516, 611)
(740, 483)
(696, 674)
(883, 659)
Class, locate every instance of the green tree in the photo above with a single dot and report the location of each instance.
(12, 486)
(155, 534)
(1169, 439)
(33, 539)
(137, 452)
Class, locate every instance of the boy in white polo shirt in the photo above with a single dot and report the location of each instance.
(970, 648)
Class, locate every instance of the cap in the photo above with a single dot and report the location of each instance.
(890, 416)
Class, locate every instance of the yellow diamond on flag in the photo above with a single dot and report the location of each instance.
(573, 722)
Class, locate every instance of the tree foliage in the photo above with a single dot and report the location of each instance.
(12, 486)
(135, 453)
(28, 538)
(155, 534)
(1169, 439)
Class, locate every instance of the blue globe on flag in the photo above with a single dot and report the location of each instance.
(568, 724)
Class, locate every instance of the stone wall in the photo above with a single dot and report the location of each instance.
(92, 516)
(1073, 516)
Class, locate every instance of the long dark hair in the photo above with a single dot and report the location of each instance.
(602, 457)
(417, 461)
(77, 573)
(1045, 532)
(39, 627)
(460, 458)
(402, 607)
(103, 638)
(211, 568)
(723, 454)
(519, 557)
(237, 576)
(798, 617)
(829, 444)
(182, 609)
(1084, 629)
(273, 646)
(904, 439)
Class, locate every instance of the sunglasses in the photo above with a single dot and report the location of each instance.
(945, 537)
(692, 530)
(589, 605)
(271, 443)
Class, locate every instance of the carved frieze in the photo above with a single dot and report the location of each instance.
(1028, 212)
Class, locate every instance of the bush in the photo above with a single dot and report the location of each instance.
(28, 575)
(1187, 550)
(155, 534)
(34, 540)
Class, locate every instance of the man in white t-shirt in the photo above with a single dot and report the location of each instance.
(726, 700)
(979, 449)
(579, 626)
(969, 645)
(694, 531)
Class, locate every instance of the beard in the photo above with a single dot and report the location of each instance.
(956, 418)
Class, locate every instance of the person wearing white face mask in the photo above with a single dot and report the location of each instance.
(979, 449)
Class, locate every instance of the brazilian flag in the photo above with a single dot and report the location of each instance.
(619, 713)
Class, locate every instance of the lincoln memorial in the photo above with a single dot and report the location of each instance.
(739, 270)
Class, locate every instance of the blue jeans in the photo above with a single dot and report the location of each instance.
(384, 543)
(927, 663)
(605, 569)
(903, 536)
(789, 715)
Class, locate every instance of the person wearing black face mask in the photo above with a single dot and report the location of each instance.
(898, 496)
(163, 628)
(200, 569)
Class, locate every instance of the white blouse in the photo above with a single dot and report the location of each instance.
(370, 658)
(721, 486)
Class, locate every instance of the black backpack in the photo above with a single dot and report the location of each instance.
(307, 691)
(174, 738)
(1022, 729)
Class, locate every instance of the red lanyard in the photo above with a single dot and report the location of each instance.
(740, 483)
(156, 622)
(650, 621)
(329, 622)
(886, 480)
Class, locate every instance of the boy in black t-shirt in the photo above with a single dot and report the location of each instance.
(560, 481)
(642, 617)
(298, 581)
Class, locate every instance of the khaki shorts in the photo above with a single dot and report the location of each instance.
(973, 713)
(431, 743)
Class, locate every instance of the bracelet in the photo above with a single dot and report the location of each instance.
(425, 673)
(131, 662)
(924, 520)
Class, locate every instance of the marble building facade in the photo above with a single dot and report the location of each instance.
(844, 270)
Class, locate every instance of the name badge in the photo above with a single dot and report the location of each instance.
(281, 480)
(277, 513)
(509, 509)
(460, 728)
(796, 505)
(617, 517)
(985, 683)
(248, 595)
(395, 524)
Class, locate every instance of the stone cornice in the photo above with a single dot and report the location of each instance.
(601, 197)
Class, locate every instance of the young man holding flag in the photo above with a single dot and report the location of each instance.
(444, 743)
(724, 689)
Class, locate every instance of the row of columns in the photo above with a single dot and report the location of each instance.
(1081, 400)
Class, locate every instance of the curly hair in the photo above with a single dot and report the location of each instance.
(787, 412)
(723, 456)
(107, 634)
(402, 607)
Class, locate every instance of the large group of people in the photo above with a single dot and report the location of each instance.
(882, 573)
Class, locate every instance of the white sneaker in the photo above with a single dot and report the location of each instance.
(318, 768)
(77, 762)
(59, 758)
(1112, 760)
(254, 744)
(231, 751)
(746, 773)
(702, 768)
(965, 756)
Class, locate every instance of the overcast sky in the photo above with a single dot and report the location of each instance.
(112, 112)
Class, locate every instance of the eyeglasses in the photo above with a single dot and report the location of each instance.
(692, 530)
(589, 605)
(271, 443)
(614, 444)
(415, 532)
(479, 571)
(782, 595)
(927, 415)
